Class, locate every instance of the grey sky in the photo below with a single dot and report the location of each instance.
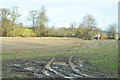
(62, 12)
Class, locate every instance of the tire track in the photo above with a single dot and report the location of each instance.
(77, 71)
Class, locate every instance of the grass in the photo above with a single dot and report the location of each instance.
(15, 74)
(23, 32)
(33, 48)
(102, 53)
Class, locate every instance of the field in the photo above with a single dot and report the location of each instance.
(99, 56)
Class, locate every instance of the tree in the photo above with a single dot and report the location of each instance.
(14, 14)
(42, 20)
(89, 23)
(4, 14)
(73, 25)
(82, 32)
(14, 17)
(111, 31)
(62, 31)
(72, 29)
(8, 19)
(33, 18)
(51, 31)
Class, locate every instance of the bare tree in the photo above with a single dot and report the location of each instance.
(14, 17)
(14, 14)
(89, 22)
(42, 20)
(73, 25)
(33, 18)
(111, 31)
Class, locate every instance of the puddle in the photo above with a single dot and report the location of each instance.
(29, 68)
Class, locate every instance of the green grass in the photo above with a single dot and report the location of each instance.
(42, 55)
(105, 58)
(28, 30)
(15, 74)
(23, 32)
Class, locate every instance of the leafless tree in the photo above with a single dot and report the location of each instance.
(73, 25)
(33, 17)
(14, 16)
(42, 20)
(111, 31)
(89, 22)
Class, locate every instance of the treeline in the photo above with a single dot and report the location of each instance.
(87, 29)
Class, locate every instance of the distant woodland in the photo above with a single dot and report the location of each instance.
(86, 29)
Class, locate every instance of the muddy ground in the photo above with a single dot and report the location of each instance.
(62, 66)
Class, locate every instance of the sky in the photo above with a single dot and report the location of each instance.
(62, 12)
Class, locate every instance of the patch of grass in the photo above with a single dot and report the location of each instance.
(105, 58)
(15, 74)
(36, 55)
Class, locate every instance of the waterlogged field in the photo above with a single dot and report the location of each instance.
(27, 57)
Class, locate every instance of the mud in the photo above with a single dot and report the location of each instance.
(71, 68)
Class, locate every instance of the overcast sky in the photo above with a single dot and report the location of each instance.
(62, 12)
